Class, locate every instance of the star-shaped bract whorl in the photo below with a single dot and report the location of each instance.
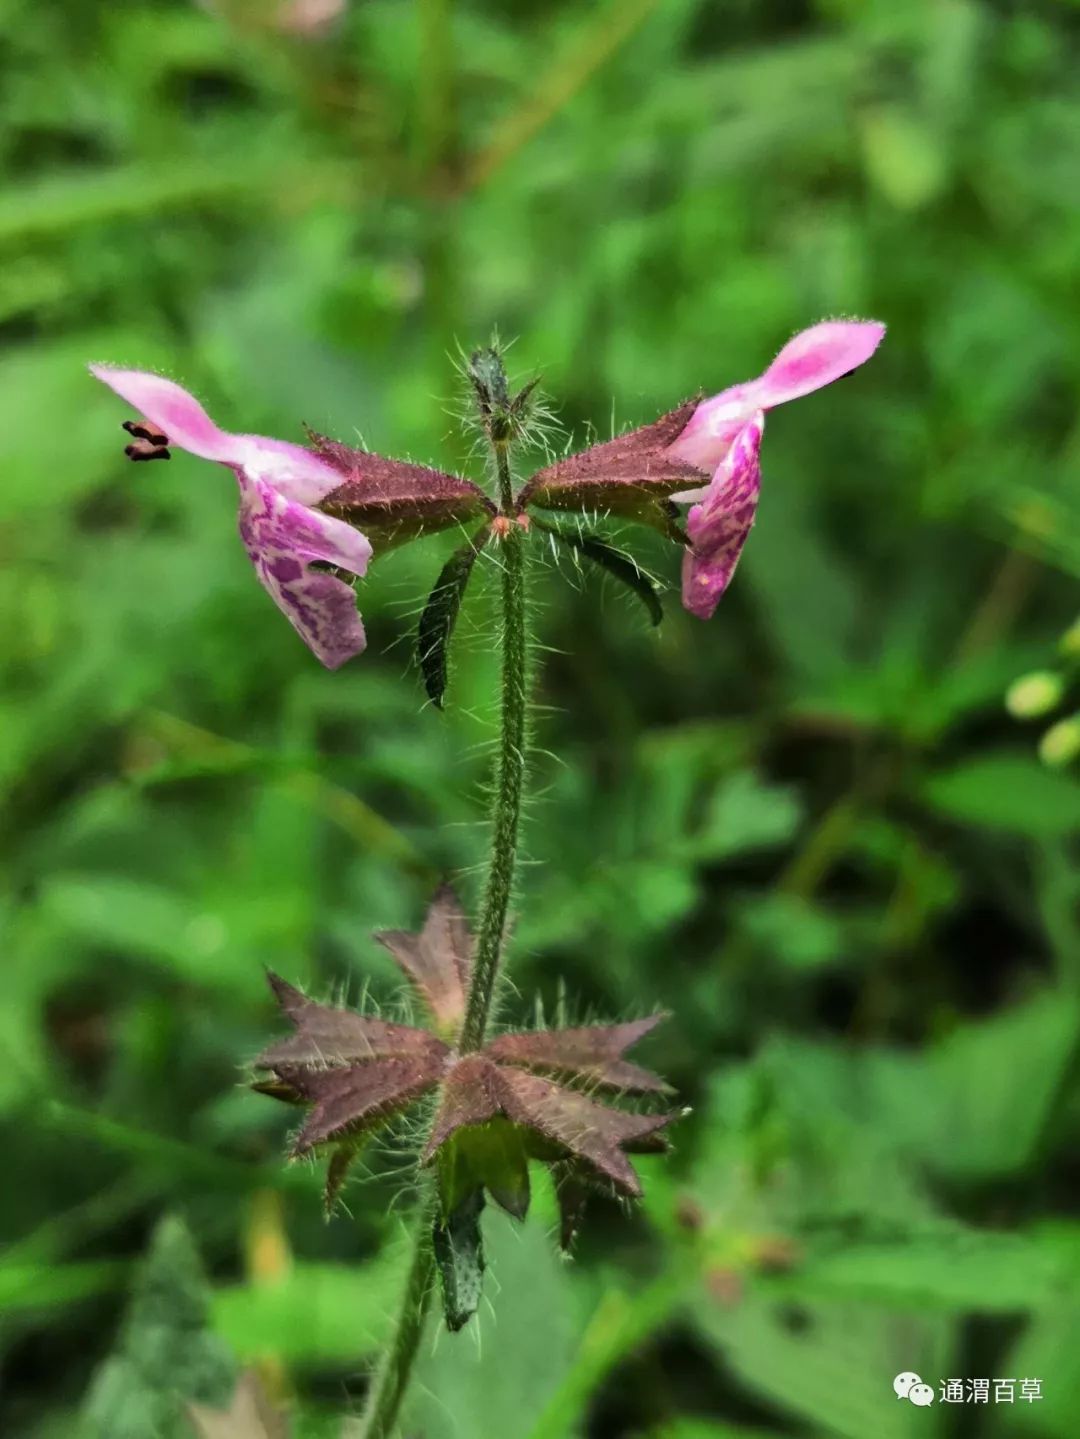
(523, 1095)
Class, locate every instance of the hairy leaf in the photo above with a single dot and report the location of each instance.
(459, 1254)
(166, 1354)
(440, 614)
(620, 566)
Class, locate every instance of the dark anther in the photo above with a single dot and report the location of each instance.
(146, 450)
(144, 430)
(150, 442)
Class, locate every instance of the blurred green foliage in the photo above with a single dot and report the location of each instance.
(809, 829)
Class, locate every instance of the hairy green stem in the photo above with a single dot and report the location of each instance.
(395, 1368)
(509, 772)
(392, 1379)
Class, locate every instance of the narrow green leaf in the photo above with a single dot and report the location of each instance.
(617, 564)
(440, 615)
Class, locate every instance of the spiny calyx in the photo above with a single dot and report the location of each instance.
(528, 1095)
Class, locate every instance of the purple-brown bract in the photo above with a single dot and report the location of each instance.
(357, 1071)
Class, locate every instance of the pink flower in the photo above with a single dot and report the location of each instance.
(724, 435)
(280, 485)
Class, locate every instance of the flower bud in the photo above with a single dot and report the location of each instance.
(505, 417)
(1034, 694)
(1069, 644)
(1060, 745)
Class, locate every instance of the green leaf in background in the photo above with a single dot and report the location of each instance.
(829, 1364)
(903, 157)
(965, 1270)
(492, 1379)
(1008, 792)
(25, 1288)
(743, 815)
(705, 1429)
(166, 1355)
(315, 1316)
(978, 1102)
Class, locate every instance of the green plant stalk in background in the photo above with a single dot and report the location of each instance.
(395, 1368)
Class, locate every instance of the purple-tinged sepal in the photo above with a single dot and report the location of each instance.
(592, 1054)
(355, 1072)
(393, 501)
(326, 1036)
(629, 477)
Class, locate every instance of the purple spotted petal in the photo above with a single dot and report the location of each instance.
(718, 527)
(283, 538)
(815, 357)
(292, 470)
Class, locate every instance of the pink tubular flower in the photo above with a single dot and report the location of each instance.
(724, 435)
(280, 483)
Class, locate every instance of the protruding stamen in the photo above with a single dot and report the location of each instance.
(150, 441)
(144, 430)
(144, 449)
